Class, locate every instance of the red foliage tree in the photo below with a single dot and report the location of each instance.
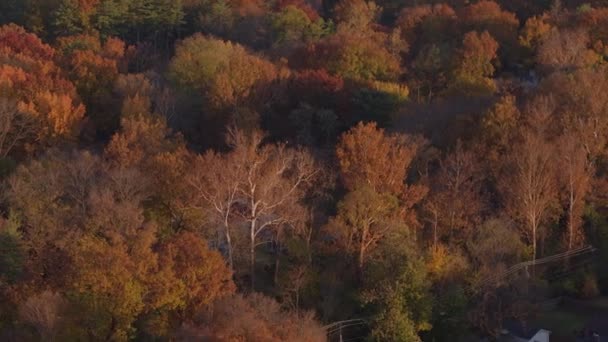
(45, 107)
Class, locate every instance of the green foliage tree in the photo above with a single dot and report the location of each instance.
(130, 19)
(396, 289)
(292, 25)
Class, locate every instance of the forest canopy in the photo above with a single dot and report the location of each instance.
(299, 170)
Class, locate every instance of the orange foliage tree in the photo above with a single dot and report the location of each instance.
(369, 157)
(94, 67)
(202, 272)
(40, 106)
(373, 167)
(529, 184)
(254, 318)
(474, 66)
(488, 16)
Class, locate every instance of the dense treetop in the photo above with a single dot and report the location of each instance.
(248, 170)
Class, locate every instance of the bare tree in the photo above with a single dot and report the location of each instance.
(273, 180)
(529, 184)
(215, 182)
(296, 281)
(455, 203)
(43, 312)
(565, 49)
(576, 173)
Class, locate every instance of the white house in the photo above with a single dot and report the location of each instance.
(515, 333)
(541, 336)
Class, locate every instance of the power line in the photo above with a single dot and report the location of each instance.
(552, 258)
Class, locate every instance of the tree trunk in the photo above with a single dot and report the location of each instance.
(229, 243)
(435, 227)
(361, 256)
(571, 219)
(360, 262)
(277, 258)
(534, 227)
(534, 243)
(309, 238)
(252, 254)
(112, 328)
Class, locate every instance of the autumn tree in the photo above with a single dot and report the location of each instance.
(129, 281)
(40, 106)
(494, 247)
(454, 203)
(15, 126)
(498, 128)
(364, 218)
(128, 213)
(535, 31)
(111, 294)
(358, 50)
(43, 311)
(79, 197)
(145, 142)
(429, 23)
(202, 272)
(50, 195)
(428, 31)
(224, 72)
(582, 115)
(565, 50)
(488, 16)
(373, 167)
(307, 7)
(94, 67)
(529, 184)
(575, 179)
(474, 69)
(254, 318)
(370, 157)
(356, 15)
(580, 106)
(273, 179)
(214, 182)
(312, 98)
(430, 70)
(93, 211)
(198, 51)
(294, 26)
